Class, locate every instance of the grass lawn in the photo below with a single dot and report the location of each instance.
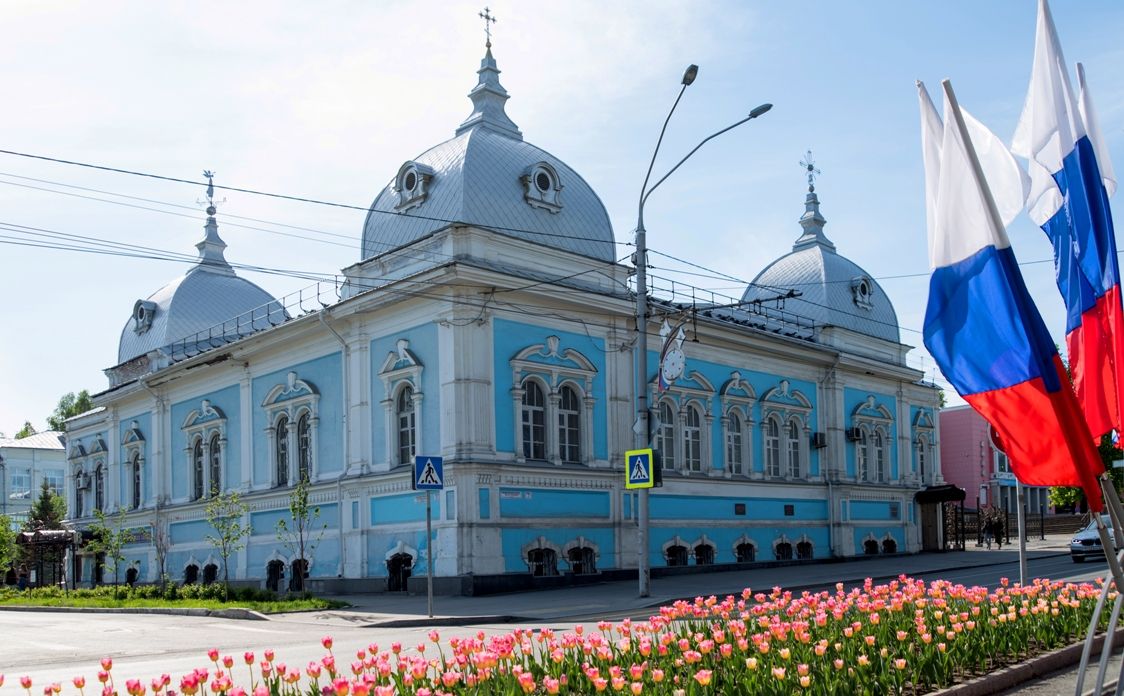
(105, 598)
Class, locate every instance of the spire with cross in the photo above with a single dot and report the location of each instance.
(810, 164)
(489, 20)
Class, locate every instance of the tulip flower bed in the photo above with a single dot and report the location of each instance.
(904, 637)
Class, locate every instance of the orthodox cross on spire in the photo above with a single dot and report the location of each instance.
(489, 20)
(810, 164)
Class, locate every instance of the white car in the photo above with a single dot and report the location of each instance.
(1087, 542)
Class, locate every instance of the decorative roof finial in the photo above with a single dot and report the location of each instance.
(489, 20)
(211, 209)
(810, 164)
(211, 246)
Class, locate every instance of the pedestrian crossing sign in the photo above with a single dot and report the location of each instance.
(638, 469)
(428, 474)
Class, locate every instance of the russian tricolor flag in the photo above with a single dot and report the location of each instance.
(984, 331)
(1071, 180)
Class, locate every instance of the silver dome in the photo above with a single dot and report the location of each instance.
(488, 177)
(205, 297)
(834, 291)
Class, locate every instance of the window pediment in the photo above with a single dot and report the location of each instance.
(293, 389)
(206, 414)
(133, 435)
(736, 388)
(549, 355)
(923, 420)
(872, 410)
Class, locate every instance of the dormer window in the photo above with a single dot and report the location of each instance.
(412, 185)
(863, 291)
(143, 313)
(541, 187)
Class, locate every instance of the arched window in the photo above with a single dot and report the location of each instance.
(274, 571)
(889, 546)
(197, 469)
(99, 488)
(870, 547)
(304, 447)
(136, 481)
(543, 562)
(569, 426)
(583, 561)
(534, 421)
(921, 456)
(191, 574)
(677, 555)
(746, 552)
(804, 551)
(862, 462)
(783, 551)
(792, 444)
(666, 437)
(704, 554)
(79, 479)
(216, 466)
(692, 440)
(407, 421)
(210, 573)
(281, 443)
(879, 457)
(734, 459)
(772, 448)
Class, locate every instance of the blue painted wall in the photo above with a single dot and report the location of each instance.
(266, 522)
(404, 507)
(423, 344)
(875, 510)
(512, 542)
(530, 502)
(678, 507)
(724, 539)
(863, 533)
(379, 543)
(226, 400)
(324, 373)
(510, 337)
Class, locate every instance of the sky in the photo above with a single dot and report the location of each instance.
(327, 100)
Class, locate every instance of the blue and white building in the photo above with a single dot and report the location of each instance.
(25, 465)
(486, 320)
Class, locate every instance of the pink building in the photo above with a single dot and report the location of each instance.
(971, 461)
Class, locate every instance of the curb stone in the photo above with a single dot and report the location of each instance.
(1016, 675)
(232, 613)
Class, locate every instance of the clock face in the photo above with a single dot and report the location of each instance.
(673, 363)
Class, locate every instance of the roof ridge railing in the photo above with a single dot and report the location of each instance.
(305, 301)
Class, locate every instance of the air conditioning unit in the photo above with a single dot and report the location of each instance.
(83, 481)
(819, 440)
(853, 434)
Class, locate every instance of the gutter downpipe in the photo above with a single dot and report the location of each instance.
(346, 432)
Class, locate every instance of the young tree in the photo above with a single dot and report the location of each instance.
(8, 549)
(26, 431)
(47, 512)
(302, 532)
(110, 538)
(70, 404)
(161, 542)
(225, 512)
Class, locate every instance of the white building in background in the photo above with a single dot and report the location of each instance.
(25, 464)
(487, 320)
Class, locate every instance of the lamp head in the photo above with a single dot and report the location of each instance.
(760, 110)
(690, 74)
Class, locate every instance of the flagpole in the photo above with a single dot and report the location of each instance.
(1020, 500)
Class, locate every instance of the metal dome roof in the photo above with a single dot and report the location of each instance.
(488, 177)
(208, 295)
(834, 291)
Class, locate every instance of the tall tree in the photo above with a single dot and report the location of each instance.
(26, 431)
(225, 513)
(47, 512)
(70, 404)
(8, 549)
(301, 534)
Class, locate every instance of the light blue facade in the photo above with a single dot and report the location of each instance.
(505, 343)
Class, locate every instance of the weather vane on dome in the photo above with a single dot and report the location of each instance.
(211, 209)
(810, 164)
(489, 20)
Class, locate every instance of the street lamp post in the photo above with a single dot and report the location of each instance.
(641, 428)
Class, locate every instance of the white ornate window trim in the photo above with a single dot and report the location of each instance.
(872, 422)
(132, 452)
(738, 398)
(201, 426)
(292, 400)
(743, 539)
(787, 407)
(703, 540)
(540, 544)
(924, 434)
(580, 543)
(412, 185)
(569, 368)
(400, 370)
(694, 392)
(79, 470)
(542, 187)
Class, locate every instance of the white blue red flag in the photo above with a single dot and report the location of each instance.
(983, 329)
(1071, 180)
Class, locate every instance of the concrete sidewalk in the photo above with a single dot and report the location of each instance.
(609, 599)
